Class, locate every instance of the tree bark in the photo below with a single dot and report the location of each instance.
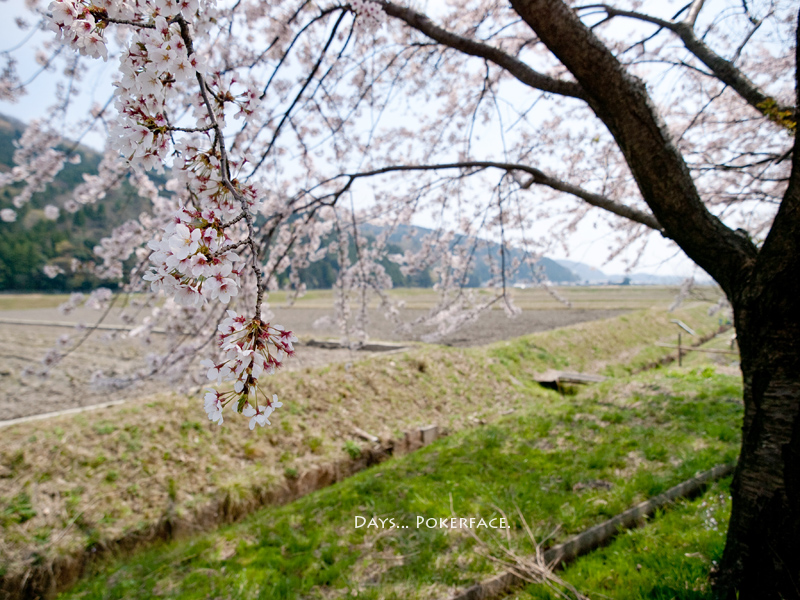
(762, 553)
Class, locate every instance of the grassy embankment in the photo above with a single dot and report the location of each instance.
(69, 483)
(673, 556)
(669, 558)
(566, 462)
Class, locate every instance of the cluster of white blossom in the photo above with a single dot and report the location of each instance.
(81, 24)
(75, 300)
(10, 88)
(99, 299)
(51, 212)
(118, 247)
(153, 65)
(194, 258)
(37, 162)
(110, 173)
(193, 262)
(76, 23)
(53, 271)
(228, 89)
(370, 14)
(197, 174)
(250, 348)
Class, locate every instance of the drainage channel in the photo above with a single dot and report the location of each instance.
(600, 535)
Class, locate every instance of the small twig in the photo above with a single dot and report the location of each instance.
(222, 251)
(532, 569)
(191, 129)
(232, 221)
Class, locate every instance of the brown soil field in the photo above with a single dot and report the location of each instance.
(66, 386)
(117, 356)
(491, 326)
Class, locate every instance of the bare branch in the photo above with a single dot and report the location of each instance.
(695, 9)
(725, 70)
(192, 129)
(513, 65)
(538, 177)
(622, 102)
(306, 83)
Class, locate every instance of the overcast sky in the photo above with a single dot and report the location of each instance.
(588, 245)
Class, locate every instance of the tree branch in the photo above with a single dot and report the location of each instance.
(691, 18)
(224, 170)
(621, 101)
(725, 70)
(511, 64)
(537, 178)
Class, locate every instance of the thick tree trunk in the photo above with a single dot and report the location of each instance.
(762, 553)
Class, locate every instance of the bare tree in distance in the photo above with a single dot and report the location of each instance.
(488, 117)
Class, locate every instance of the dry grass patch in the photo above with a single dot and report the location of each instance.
(24, 301)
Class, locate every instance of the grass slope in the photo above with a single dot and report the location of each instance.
(569, 462)
(670, 558)
(69, 483)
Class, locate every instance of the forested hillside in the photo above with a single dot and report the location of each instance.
(32, 241)
(322, 274)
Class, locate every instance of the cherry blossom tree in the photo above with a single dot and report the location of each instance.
(288, 126)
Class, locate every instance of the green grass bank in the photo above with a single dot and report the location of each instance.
(72, 483)
(566, 463)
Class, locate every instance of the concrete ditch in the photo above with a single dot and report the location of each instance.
(671, 358)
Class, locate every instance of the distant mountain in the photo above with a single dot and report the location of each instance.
(32, 241)
(589, 275)
(410, 237)
(585, 273)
